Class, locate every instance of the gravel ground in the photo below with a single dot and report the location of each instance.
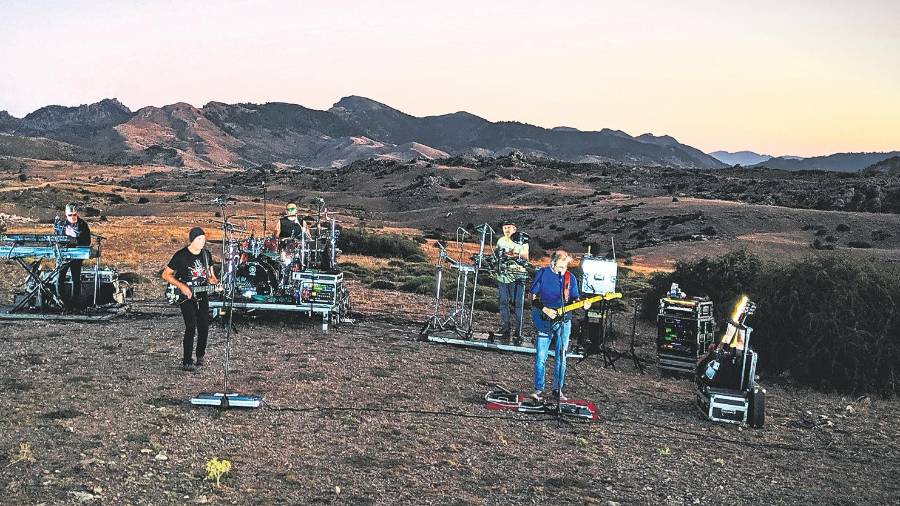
(368, 414)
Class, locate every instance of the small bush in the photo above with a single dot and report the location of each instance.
(843, 227)
(381, 284)
(490, 305)
(379, 245)
(420, 284)
(859, 244)
(880, 235)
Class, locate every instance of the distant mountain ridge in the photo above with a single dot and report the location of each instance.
(744, 158)
(838, 162)
(889, 166)
(245, 134)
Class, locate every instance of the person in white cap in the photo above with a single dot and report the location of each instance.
(80, 232)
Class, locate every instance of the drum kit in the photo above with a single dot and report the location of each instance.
(268, 268)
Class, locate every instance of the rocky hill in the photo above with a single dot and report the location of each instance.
(889, 166)
(242, 135)
(839, 162)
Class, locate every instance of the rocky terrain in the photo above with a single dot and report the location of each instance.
(369, 414)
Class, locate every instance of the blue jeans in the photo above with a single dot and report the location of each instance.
(511, 293)
(560, 333)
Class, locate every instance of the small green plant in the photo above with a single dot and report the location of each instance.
(24, 455)
(216, 468)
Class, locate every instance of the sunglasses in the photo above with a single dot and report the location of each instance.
(73, 214)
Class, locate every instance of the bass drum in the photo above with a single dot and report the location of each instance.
(255, 277)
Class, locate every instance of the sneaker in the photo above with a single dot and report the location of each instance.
(536, 396)
(188, 367)
(559, 396)
(199, 363)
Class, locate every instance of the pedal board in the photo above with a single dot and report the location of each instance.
(233, 400)
(512, 401)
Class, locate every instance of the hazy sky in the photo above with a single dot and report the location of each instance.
(780, 77)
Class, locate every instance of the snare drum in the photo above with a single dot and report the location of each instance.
(270, 244)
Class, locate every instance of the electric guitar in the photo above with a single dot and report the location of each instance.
(175, 297)
(542, 321)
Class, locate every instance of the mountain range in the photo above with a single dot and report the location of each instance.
(839, 162)
(743, 158)
(243, 135)
(354, 128)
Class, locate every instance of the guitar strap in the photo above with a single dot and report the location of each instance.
(567, 279)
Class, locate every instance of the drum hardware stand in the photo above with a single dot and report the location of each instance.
(487, 233)
(265, 179)
(435, 322)
(229, 260)
(320, 210)
(631, 350)
(222, 201)
(457, 319)
(521, 303)
(96, 267)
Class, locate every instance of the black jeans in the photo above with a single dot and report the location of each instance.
(74, 266)
(196, 320)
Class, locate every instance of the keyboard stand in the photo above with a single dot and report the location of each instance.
(43, 288)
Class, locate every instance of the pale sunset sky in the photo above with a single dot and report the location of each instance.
(779, 77)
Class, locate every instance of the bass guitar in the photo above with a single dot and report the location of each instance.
(175, 297)
(543, 323)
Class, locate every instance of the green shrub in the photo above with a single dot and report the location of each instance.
(419, 284)
(490, 305)
(831, 321)
(379, 245)
(723, 279)
(381, 284)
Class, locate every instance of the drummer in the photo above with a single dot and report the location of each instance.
(290, 225)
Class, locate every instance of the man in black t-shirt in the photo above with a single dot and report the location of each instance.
(189, 267)
(78, 230)
(290, 225)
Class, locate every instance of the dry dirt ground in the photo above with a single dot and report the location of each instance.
(367, 414)
(98, 413)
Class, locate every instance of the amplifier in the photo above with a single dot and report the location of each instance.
(105, 291)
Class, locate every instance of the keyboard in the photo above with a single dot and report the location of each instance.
(65, 252)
